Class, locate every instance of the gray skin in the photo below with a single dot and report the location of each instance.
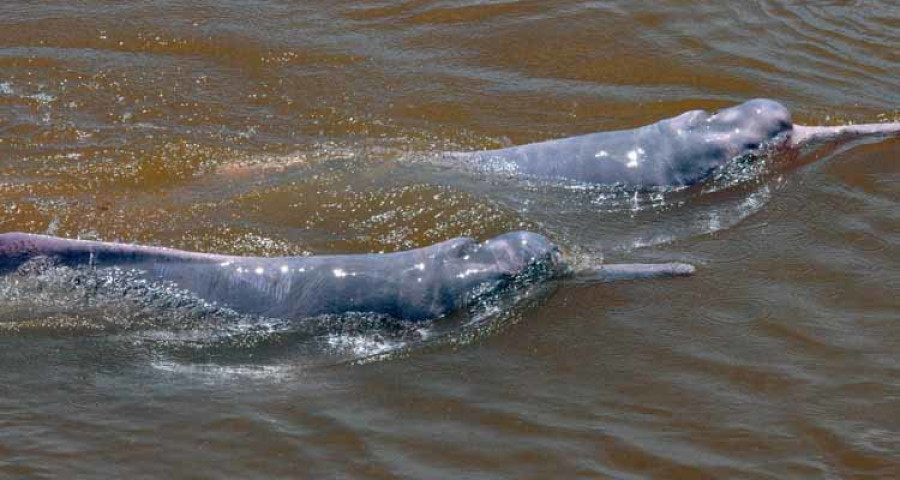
(673, 152)
(421, 284)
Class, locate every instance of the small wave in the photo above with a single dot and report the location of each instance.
(213, 372)
(42, 98)
(363, 345)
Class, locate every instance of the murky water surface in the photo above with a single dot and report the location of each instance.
(276, 128)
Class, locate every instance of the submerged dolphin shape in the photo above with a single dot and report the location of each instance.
(420, 284)
(678, 151)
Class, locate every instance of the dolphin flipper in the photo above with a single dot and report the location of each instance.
(632, 271)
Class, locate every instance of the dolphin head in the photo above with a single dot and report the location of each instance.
(453, 274)
(512, 253)
(469, 265)
(695, 143)
(747, 126)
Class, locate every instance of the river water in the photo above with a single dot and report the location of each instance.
(276, 127)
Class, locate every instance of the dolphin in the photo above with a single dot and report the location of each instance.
(674, 152)
(414, 285)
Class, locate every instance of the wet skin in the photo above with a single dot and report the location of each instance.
(414, 285)
(673, 152)
(425, 283)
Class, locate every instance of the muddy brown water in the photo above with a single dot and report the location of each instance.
(277, 127)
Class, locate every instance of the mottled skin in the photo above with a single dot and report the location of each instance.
(419, 284)
(673, 152)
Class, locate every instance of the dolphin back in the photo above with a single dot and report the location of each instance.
(283, 287)
(19, 248)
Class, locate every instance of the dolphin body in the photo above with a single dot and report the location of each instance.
(414, 285)
(674, 152)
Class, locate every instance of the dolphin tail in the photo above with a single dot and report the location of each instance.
(804, 134)
(632, 271)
